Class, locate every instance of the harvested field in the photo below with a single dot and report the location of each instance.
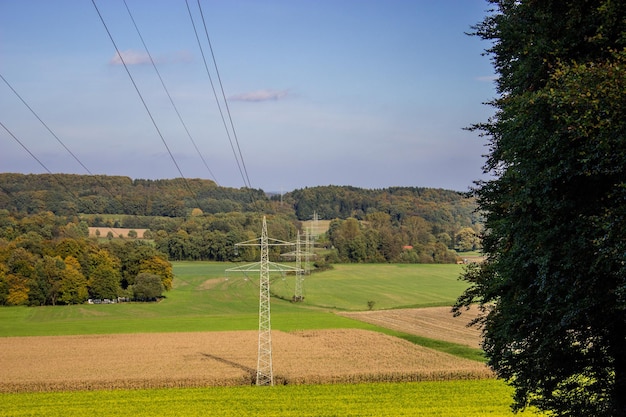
(117, 231)
(151, 360)
(434, 323)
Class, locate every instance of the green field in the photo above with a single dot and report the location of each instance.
(427, 399)
(351, 286)
(205, 298)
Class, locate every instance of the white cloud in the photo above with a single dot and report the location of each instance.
(130, 57)
(133, 57)
(260, 95)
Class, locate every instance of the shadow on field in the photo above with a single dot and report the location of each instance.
(251, 372)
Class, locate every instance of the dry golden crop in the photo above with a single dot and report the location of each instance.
(53, 363)
(435, 323)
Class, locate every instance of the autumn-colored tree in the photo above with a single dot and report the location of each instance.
(17, 289)
(160, 267)
(467, 240)
(73, 288)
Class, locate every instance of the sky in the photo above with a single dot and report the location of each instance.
(372, 94)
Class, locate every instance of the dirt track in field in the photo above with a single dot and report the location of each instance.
(434, 323)
(55, 363)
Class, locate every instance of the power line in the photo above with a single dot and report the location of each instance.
(168, 93)
(26, 148)
(244, 176)
(96, 178)
(44, 125)
(119, 54)
(55, 176)
(219, 78)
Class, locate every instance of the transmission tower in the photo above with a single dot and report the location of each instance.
(302, 272)
(309, 240)
(297, 296)
(316, 223)
(264, 371)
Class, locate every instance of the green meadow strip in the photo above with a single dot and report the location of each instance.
(426, 399)
(455, 349)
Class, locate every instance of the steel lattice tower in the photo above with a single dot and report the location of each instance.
(297, 296)
(308, 237)
(264, 372)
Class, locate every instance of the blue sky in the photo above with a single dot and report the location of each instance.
(365, 93)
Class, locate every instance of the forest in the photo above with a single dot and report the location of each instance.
(48, 260)
(47, 256)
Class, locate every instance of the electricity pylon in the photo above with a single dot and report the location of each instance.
(309, 240)
(302, 272)
(264, 370)
(315, 227)
(297, 296)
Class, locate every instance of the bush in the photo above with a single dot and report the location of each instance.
(148, 287)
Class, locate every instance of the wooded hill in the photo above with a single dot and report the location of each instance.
(196, 219)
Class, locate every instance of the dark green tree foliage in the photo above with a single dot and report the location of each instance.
(553, 287)
(378, 241)
(147, 287)
(101, 194)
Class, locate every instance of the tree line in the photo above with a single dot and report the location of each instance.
(374, 239)
(69, 194)
(48, 260)
(397, 224)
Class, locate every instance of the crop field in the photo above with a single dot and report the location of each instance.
(477, 398)
(62, 363)
(432, 322)
(175, 356)
(115, 231)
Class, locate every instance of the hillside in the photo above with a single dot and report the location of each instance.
(68, 194)
(194, 219)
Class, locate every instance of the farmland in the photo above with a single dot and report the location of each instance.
(432, 322)
(156, 360)
(203, 334)
(425, 399)
(206, 298)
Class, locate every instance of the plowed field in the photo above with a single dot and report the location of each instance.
(434, 323)
(54, 363)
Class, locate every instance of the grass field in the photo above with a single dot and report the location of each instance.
(351, 286)
(205, 299)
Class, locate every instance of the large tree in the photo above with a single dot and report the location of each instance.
(553, 286)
